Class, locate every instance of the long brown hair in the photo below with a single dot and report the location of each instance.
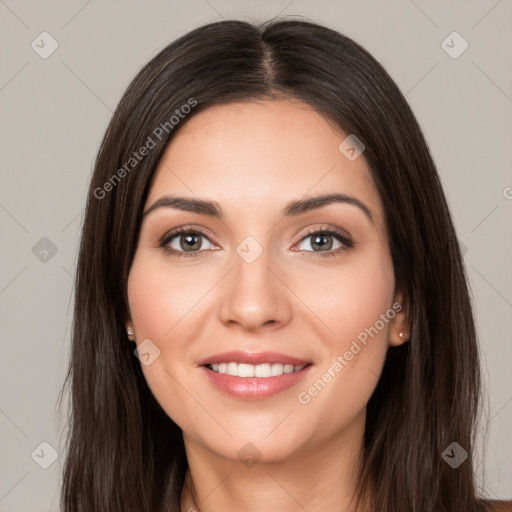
(123, 451)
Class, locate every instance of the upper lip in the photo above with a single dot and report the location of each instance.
(252, 358)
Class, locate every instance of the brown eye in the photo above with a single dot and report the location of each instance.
(182, 241)
(190, 241)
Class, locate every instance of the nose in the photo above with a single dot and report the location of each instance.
(255, 296)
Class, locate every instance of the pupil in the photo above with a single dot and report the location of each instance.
(189, 241)
(322, 245)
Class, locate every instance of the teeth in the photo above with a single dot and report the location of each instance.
(254, 370)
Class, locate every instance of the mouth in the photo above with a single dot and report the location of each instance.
(253, 376)
(259, 371)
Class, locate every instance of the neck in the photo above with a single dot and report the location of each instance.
(318, 478)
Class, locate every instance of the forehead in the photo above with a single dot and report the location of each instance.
(262, 154)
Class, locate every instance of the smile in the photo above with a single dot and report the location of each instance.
(254, 382)
(263, 370)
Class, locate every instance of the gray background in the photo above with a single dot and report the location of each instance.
(54, 113)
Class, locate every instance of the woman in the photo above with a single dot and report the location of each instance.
(266, 225)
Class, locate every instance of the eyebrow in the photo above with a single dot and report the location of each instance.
(291, 209)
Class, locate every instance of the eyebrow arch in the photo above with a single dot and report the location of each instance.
(291, 209)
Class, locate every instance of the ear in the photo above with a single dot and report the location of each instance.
(400, 322)
(130, 333)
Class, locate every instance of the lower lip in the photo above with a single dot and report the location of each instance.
(255, 388)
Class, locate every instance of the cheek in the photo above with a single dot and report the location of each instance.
(162, 309)
(161, 298)
(353, 296)
(355, 304)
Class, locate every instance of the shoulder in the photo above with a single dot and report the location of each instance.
(497, 506)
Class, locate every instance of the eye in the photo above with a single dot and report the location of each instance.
(188, 242)
(323, 239)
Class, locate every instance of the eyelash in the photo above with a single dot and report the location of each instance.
(348, 244)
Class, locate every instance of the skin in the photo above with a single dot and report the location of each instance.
(253, 158)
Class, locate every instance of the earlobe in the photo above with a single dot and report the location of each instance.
(129, 332)
(397, 338)
(403, 337)
(399, 328)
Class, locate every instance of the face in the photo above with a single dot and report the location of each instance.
(277, 286)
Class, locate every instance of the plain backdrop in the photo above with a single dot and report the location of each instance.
(55, 108)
